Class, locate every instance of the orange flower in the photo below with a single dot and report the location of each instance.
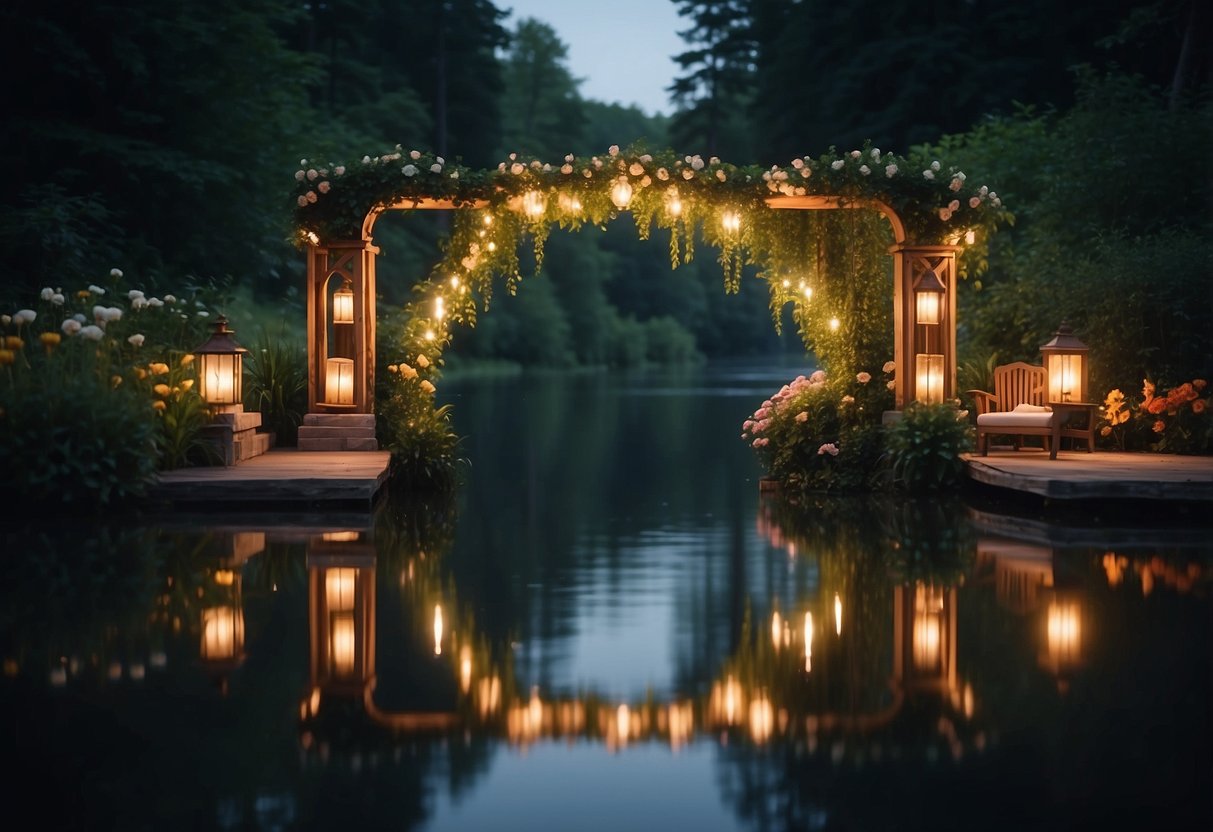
(1199, 383)
(1159, 426)
(13, 342)
(1198, 406)
(1156, 406)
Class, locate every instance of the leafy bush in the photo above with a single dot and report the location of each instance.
(924, 447)
(74, 439)
(814, 435)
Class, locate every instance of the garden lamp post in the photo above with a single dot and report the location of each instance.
(1065, 359)
(221, 366)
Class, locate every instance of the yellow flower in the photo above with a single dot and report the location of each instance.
(187, 383)
(426, 386)
(7, 357)
(187, 359)
(158, 368)
(50, 339)
(422, 361)
(115, 380)
(158, 404)
(140, 373)
(161, 390)
(407, 371)
(13, 342)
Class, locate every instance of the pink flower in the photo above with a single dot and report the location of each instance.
(848, 399)
(863, 378)
(828, 448)
(802, 416)
(889, 366)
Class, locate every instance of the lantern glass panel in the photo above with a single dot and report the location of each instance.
(339, 381)
(221, 378)
(928, 376)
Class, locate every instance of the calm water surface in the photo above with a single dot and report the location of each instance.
(609, 627)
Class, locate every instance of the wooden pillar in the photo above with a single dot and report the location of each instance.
(349, 388)
(913, 340)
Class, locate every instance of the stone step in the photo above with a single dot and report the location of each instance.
(338, 444)
(238, 421)
(340, 420)
(249, 444)
(325, 432)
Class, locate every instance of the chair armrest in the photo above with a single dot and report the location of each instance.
(983, 401)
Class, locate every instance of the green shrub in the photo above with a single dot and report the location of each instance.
(924, 447)
(74, 439)
(416, 432)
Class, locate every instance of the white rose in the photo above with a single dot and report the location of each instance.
(70, 326)
(928, 174)
(837, 164)
(409, 170)
(435, 168)
(414, 154)
(135, 340)
(865, 170)
(47, 292)
(890, 171)
(92, 333)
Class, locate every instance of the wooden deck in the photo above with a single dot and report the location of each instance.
(281, 477)
(1102, 475)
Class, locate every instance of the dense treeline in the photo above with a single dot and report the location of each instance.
(161, 138)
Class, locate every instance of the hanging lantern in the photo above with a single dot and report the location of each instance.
(533, 205)
(343, 304)
(621, 192)
(928, 298)
(730, 221)
(673, 202)
(1065, 359)
(221, 365)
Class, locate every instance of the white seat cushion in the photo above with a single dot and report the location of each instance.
(1017, 419)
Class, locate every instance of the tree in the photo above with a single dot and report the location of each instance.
(543, 114)
(712, 96)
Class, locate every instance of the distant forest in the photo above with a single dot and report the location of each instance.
(161, 138)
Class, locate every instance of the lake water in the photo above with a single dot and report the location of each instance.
(609, 627)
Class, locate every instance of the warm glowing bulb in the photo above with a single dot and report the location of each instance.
(488, 219)
(533, 204)
(569, 204)
(673, 203)
(808, 292)
(834, 324)
(776, 629)
(786, 283)
(454, 282)
(837, 614)
(730, 221)
(429, 335)
(621, 193)
(970, 236)
(439, 309)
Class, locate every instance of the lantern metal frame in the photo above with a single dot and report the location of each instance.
(1066, 366)
(221, 367)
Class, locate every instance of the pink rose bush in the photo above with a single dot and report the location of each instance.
(821, 434)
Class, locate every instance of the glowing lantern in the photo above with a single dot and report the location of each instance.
(928, 375)
(928, 297)
(673, 202)
(343, 304)
(1065, 359)
(221, 364)
(339, 381)
(533, 205)
(621, 192)
(730, 221)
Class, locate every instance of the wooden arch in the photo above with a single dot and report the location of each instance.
(924, 352)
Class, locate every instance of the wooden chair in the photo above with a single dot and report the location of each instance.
(1016, 408)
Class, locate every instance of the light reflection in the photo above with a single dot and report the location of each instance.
(339, 588)
(762, 718)
(837, 614)
(465, 668)
(342, 643)
(927, 634)
(808, 642)
(776, 630)
(437, 629)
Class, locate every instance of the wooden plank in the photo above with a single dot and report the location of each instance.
(1103, 475)
(281, 476)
